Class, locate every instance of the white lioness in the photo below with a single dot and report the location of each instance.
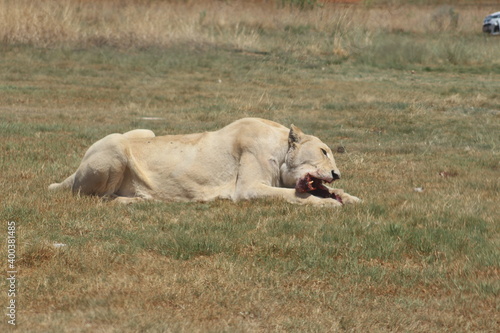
(249, 158)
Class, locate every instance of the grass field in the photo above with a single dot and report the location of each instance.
(413, 100)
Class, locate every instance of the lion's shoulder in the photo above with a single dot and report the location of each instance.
(256, 125)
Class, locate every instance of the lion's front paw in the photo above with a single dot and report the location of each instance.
(350, 199)
(330, 203)
(310, 199)
(346, 198)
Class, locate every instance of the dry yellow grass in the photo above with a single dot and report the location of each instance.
(132, 23)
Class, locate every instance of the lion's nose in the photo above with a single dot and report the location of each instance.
(335, 175)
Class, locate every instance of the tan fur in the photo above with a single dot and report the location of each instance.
(249, 158)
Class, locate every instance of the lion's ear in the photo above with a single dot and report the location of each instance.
(295, 135)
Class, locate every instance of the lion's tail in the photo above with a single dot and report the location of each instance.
(66, 184)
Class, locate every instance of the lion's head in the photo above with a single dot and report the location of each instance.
(309, 163)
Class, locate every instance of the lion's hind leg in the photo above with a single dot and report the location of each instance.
(96, 178)
(103, 167)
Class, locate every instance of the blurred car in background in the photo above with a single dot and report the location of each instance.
(491, 24)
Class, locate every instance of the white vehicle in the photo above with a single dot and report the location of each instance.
(491, 24)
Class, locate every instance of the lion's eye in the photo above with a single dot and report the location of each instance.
(324, 152)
